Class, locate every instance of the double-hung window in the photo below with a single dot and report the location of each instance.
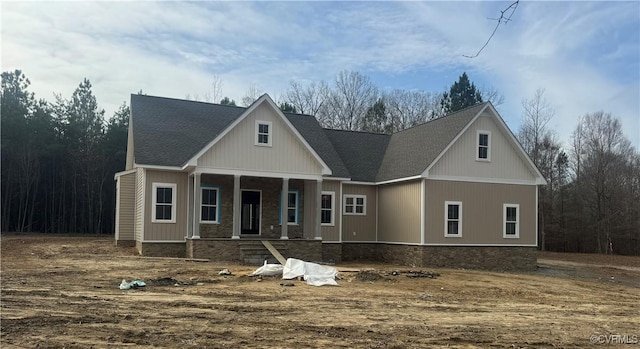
(511, 221)
(210, 212)
(453, 219)
(327, 204)
(263, 133)
(483, 152)
(291, 205)
(164, 203)
(355, 205)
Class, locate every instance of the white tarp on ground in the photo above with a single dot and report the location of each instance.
(314, 274)
(268, 270)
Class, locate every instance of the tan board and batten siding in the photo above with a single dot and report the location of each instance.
(482, 212)
(460, 160)
(166, 231)
(358, 227)
(125, 220)
(331, 233)
(399, 212)
(237, 149)
(139, 213)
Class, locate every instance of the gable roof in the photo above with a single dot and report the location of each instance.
(401, 160)
(362, 152)
(170, 132)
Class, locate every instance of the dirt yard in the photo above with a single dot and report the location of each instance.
(62, 292)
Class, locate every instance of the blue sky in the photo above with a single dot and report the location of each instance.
(585, 54)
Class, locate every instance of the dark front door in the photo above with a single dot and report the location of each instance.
(250, 212)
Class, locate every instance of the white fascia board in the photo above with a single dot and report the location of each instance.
(404, 179)
(122, 173)
(251, 173)
(425, 173)
(156, 167)
(482, 180)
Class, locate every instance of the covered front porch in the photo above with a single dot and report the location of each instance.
(224, 206)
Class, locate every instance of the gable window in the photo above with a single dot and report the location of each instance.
(511, 221)
(355, 205)
(292, 208)
(483, 153)
(210, 207)
(326, 208)
(164, 203)
(263, 133)
(453, 219)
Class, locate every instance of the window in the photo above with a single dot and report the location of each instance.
(263, 133)
(511, 225)
(453, 219)
(326, 208)
(292, 208)
(209, 212)
(355, 205)
(164, 203)
(484, 146)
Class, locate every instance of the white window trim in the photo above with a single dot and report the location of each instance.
(217, 206)
(269, 134)
(477, 146)
(154, 198)
(333, 209)
(446, 219)
(297, 208)
(355, 197)
(504, 221)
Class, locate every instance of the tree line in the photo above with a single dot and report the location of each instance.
(59, 158)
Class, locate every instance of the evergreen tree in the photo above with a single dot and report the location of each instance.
(227, 101)
(462, 94)
(376, 120)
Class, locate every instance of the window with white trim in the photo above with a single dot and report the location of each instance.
(263, 133)
(511, 221)
(292, 207)
(452, 219)
(483, 152)
(355, 205)
(327, 203)
(164, 203)
(209, 212)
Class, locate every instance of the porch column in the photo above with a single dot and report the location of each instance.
(318, 226)
(197, 199)
(284, 212)
(236, 207)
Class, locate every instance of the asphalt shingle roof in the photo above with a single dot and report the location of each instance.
(361, 152)
(169, 132)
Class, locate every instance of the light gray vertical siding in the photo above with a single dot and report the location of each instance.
(360, 228)
(482, 212)
(332, 233)
(237, 149)
(399, 212)
(126, 208)
(166, 231)
(460, 159)
(139, 212)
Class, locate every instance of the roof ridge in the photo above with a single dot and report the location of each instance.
(187, 100)
(356, 131)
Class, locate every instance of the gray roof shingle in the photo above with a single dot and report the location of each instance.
(412, 150)
(361, 152)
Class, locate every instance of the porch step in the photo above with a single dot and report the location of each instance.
(255, 253)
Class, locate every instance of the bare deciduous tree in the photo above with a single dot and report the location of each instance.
(349, 101)
(252, 94)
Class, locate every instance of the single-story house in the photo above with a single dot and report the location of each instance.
(210, 181)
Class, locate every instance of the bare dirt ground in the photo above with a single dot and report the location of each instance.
(62, 292)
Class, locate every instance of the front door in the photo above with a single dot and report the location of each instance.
(250, 212)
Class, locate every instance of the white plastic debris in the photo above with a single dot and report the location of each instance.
(314, 274)
(268, 270)
(224, 272)
(124, 285)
